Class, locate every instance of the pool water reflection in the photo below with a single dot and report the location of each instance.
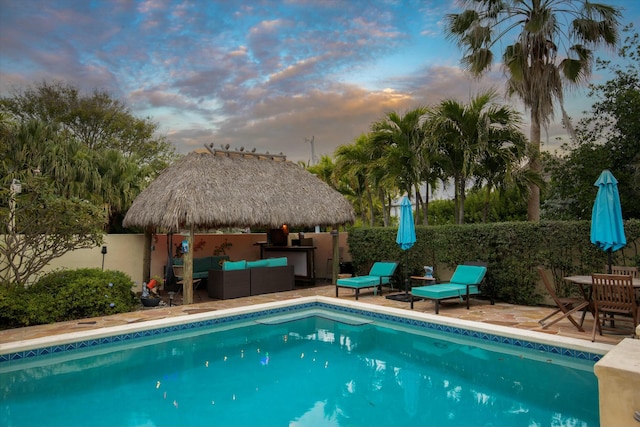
(305, 369)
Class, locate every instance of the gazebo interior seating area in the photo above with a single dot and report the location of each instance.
(218, 188)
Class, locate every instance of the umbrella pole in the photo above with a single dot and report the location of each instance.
(406, 276)
(609, 258)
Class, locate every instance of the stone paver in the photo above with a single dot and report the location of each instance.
(520, 317)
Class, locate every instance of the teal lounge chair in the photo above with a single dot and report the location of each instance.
(380, 274)
(464, 282)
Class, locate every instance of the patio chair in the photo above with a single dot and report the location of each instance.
(566, 306)
(463, 284)
(613, 294)
(484, 284)
(624, 270)
(380, 274)
(178, 272)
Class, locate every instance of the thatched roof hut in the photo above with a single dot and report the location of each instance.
(219, 188)
(237, 189)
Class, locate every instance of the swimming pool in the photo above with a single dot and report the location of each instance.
(301, 368)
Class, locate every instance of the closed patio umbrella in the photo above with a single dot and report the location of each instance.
(607, 227)
(405, 238)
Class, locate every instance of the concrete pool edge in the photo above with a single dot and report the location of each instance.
(17, 349)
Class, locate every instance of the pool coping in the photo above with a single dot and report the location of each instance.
(519, 338)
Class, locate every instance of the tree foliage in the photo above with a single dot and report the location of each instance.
(607, 138)
(477, 143)
(534, 69)
(38, 226)
(96, 120)
(479, 140)
(88, 146)
(82, 160)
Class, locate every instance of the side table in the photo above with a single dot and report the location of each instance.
(422, 280)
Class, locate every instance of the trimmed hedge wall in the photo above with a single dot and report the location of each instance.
(512, 251)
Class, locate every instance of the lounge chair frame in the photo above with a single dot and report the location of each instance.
(464, 282)
(372, 280)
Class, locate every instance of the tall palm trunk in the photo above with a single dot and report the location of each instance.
(385, 212)
(533, 204)
(371, 212)
(487, 201)
(459, 189)
(425, 210)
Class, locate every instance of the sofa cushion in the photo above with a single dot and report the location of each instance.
(257, 263)
(234, 265)
(277, 262)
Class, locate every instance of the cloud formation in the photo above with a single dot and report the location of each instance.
(264, 74)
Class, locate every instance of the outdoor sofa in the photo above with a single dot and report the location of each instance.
(202, 265)
(246, 278)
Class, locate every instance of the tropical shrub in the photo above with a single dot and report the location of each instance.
(67, 295)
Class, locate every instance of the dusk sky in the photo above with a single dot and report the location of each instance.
(266, 74)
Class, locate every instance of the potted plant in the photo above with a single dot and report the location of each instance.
(150, 297)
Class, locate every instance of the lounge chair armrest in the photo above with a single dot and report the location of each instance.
(383, 277)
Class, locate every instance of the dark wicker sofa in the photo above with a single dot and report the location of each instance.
(255, 279)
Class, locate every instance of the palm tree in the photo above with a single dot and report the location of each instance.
(401, 139)
(501, 165)
(324, 170)
(465, 136)
(533, 70)
(352, 166)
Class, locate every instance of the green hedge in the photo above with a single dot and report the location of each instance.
(67, 295)
(512, 251)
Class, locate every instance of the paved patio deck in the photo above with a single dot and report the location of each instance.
(521, 317)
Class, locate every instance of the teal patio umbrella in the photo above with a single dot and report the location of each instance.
(607, 227)
(406, 237)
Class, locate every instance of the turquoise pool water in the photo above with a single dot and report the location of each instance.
(300, 370)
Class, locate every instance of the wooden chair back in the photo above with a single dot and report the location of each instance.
(613, 294)
(624, 270)
(566, 306)
(550, 288)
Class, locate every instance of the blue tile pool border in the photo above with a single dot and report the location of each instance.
(93, 343)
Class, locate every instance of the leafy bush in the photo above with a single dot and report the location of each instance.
(67, 295)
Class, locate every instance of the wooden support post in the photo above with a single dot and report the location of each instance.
(187, 286)
(335, 267)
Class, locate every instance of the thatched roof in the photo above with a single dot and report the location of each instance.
(205, 190)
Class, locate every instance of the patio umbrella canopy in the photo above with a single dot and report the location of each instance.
(219, 188)
(405, 238)
(607, 227)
